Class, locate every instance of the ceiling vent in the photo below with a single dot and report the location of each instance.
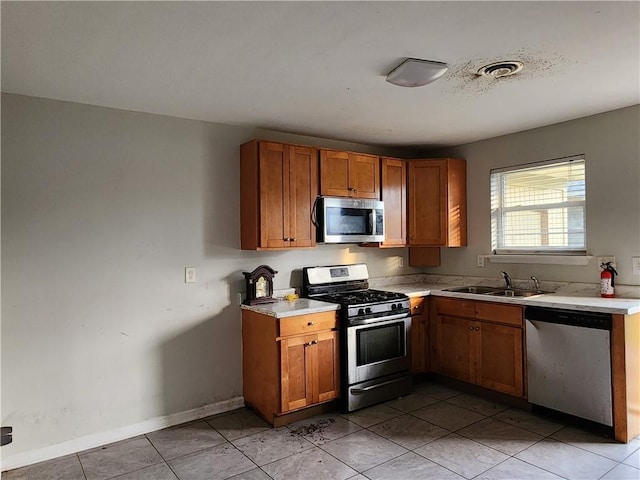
(501, 69)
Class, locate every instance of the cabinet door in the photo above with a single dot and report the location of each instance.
(327, 371)
(334, 173)
(303, 189)
(419, 326)
(274, 195)
(499, 363)
(394, 195)
(364, 176)
(296, 365)
(427, 202)
(454, 347)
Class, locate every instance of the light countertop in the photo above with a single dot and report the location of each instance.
(569, 301)
(291, 308)
(624, 306)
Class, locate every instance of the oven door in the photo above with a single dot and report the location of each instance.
(379, 348)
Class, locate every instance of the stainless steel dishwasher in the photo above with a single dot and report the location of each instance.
(569, 362)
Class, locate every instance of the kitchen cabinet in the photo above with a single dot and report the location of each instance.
(419, 335)
(424, 256)
(278, 186)
(480, 342)
(348, 174)
(289, 363)
(437, 205)
(393, 180)
(625, 360)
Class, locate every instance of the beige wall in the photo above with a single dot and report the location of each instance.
(611, 145)
(102, 210)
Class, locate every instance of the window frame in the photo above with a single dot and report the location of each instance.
(498, 212)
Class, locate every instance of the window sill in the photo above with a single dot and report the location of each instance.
(541, 259)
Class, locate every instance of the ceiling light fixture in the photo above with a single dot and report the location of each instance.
(414, 72)
(501, 69)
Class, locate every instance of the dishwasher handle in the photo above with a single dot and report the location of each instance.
(574, 318)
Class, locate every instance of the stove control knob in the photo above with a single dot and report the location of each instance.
(367, 310)
(399, 306)
(361, 311)
(394, 306)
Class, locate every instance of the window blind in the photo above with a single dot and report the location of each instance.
(539, 208)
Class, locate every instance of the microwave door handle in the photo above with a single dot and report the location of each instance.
(372, 222)
(314, 213)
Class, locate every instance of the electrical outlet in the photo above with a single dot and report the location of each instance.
(636, 265)
(602, 260)
(190, 275)
(480, 261)
(400, 262)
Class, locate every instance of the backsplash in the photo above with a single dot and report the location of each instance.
(568, 288)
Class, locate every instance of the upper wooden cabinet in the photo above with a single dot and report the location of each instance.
(394, 195)
(278, 185)
(437, 207)
(348, 174)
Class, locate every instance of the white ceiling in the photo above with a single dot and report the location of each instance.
(318, 68)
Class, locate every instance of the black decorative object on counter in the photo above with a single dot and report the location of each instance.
(259, 285)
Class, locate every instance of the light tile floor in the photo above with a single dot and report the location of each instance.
(434, 433)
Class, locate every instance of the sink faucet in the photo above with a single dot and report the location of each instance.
(507, 280)
(536, 283)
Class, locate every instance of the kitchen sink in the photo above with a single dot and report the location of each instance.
(515, 293)
(473, 289)
(494, 291)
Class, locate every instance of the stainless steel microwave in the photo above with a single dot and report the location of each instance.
(349, 220)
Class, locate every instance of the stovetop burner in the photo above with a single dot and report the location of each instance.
(361, 297)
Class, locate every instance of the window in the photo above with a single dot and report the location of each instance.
(539, 208)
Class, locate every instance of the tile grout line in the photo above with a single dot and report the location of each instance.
(162, 457)
(81, 467)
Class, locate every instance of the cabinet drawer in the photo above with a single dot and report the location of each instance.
(499, 313)
(307, 323)
(418, 305)
(456, 307)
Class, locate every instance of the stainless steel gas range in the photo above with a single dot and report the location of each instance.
(375, 328)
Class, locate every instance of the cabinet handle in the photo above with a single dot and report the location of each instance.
(471, 327)
(412, 238)
(315, 342)
(477, 329)
(292, 239)
(415, 307)
(310, 323)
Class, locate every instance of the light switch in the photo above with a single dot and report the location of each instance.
(190, 275)
(636, 265)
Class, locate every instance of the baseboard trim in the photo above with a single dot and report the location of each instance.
(98, 439)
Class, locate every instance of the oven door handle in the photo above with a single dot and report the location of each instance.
(360, 391)
(379, 320)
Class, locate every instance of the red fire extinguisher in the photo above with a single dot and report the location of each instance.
(607, 284)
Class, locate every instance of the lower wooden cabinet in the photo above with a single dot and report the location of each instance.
(419, 335)
(289, 363)
(454, 347)
(480, 343)
(308, 369)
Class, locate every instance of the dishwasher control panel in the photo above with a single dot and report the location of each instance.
(574, 318)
